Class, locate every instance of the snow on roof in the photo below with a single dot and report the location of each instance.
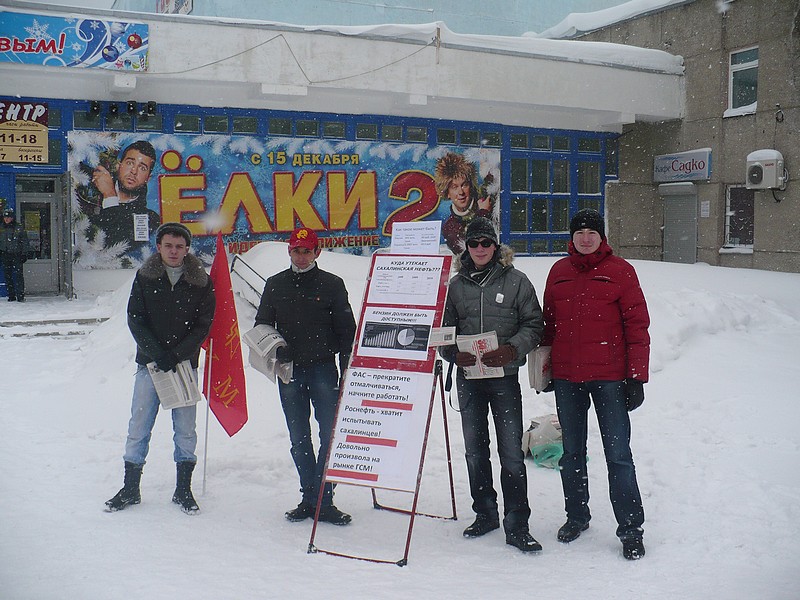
(598, 53)
(578, 23)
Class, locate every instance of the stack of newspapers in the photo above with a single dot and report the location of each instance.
(176, 388)
(263, 341)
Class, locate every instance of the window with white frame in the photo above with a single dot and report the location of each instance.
(739, 221)
(743, 83)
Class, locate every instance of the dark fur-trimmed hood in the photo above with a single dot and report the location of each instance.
(505, 259)
(195, 274)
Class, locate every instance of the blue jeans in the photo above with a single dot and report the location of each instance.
(572, 404)
(144, 409)
(503, 396)
(317, 385)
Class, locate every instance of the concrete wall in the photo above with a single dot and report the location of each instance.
(705, 37)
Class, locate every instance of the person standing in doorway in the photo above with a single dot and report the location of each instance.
(489, 294)
(596, 322)
(14, 249)
(310, 309)
(170, 312)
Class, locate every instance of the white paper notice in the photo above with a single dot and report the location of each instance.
(416, 237)
(394, 332)
(380, 429)
(442, 336)
(405, 280)
(141, 231)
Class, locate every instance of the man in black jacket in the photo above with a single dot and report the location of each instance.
(310, 309)
(14, 250)
(170, 311)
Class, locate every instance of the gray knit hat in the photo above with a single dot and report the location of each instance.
(481, 227)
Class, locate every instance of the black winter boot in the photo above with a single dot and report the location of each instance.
(129, 494)
(183, 489)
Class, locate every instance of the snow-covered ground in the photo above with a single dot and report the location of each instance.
(716, 446)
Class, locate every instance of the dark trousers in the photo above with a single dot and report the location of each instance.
(12, 271)
(316, 385)
(503, 397)
(572, 404)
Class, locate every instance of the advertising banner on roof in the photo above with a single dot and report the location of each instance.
(258, 189)
(35, 39)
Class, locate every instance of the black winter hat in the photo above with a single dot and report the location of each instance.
(177, 229)
(481, 227)
(588, 218)
(8, 212)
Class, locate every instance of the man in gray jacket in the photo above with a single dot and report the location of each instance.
(489, 294)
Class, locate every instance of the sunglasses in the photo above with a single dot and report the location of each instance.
(484, 243)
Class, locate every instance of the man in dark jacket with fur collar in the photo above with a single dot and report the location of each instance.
(170, 311)
(310, 309)
(489, 294)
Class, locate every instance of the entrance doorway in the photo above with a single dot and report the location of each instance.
(680, 222)
(41, 210)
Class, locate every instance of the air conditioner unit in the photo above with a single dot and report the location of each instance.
(765, 170)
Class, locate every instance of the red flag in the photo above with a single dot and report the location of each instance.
(227, 393)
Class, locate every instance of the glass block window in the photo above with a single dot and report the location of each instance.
(280, 127)
(392, 133)
(519, 175)
(187, 123)
(366, 131)
(216, 124)
(560, 143)
(519, 140)
(540, 172)
(150, 123)
(470, 138)
(492, 138)
(307, 128)
(589, 145)
(83, 119)
(560, 177)
(541, 142)
(245, 125)
(333, 129)
(446, 136)
(588, 178)
(416, 134)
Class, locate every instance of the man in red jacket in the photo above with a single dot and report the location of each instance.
(596, 320)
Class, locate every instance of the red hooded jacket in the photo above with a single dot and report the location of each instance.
(596, 319)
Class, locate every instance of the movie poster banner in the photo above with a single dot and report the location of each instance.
(256, 189)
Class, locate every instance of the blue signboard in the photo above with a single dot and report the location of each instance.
(33, 39)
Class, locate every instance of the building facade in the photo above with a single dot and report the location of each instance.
(742, 98)
(252, 129)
